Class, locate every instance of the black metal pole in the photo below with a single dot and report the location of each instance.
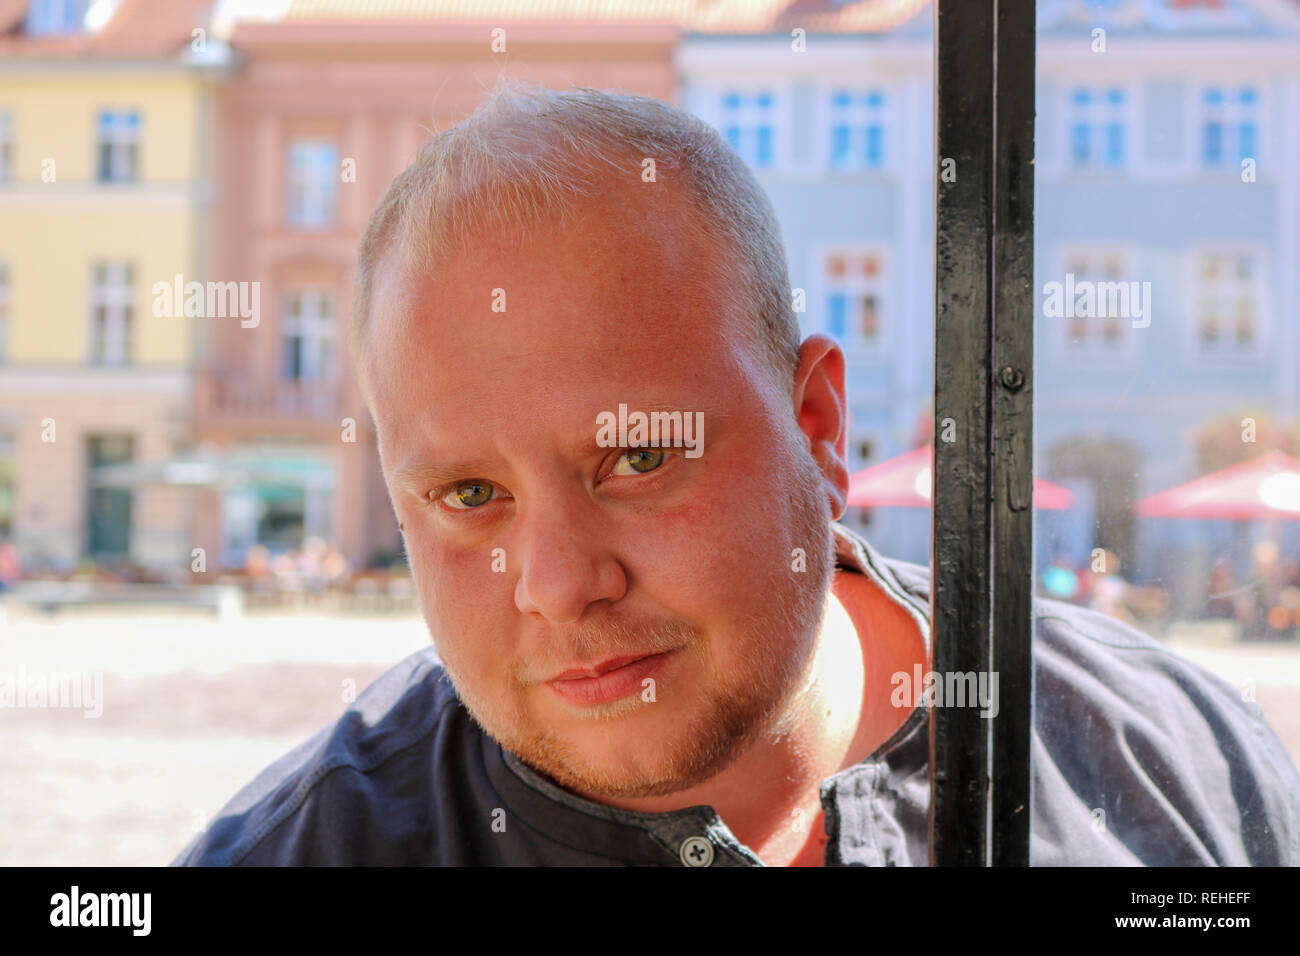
(960, 558)
(1013, 430)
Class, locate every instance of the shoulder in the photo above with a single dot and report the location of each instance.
(1142, 756)
(350, 793)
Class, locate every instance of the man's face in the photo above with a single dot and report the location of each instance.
(542, 559)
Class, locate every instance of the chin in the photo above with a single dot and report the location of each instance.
(655, 753)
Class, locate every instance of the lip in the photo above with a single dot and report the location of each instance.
(604, 667)
(609, 680)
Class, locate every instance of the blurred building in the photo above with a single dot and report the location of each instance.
(105, 134)
(1167, 151)
(1168, 159)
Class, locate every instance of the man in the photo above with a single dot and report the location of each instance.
(617, 472)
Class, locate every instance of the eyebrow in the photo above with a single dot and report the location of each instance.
(427, 474)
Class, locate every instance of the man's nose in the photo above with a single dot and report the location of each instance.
(566, 561)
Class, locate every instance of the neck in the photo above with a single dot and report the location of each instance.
(770, 796)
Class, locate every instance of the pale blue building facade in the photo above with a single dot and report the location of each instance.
(1168, 158)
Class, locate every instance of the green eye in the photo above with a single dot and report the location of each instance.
(641, 460)
(471, 494)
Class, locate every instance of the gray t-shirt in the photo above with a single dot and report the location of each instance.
(1139, 757)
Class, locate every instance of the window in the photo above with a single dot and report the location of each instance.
(4, 313)
(111, 303)
(108, 510)
(1102, 278)
(313, 183)
(857, 129)
(8, 468)
(853, 284)
(117, 139)
(47, 17)
(749, 125)
(307, 334)
(1097, 127)
(1228, 303)
(1229, 126)
(6, 147)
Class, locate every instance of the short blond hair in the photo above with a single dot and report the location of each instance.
(530, 152)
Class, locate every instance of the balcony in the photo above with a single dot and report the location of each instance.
(230, 400)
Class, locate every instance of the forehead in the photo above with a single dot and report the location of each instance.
(620, 295)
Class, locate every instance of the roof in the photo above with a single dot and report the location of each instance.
(160, 29)
(723, 16)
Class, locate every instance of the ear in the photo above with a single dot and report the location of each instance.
(821, 411)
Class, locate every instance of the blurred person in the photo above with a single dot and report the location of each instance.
(1108, 592)
(285, 568)
(334, 566)
(643, 656)
(1222, 581)
(258, 573)
(257, 563)
(311, 564)
(1254, 604)
(10, 570)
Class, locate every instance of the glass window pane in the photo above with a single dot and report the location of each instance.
(1165, 404)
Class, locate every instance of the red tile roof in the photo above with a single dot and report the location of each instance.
(137, 29)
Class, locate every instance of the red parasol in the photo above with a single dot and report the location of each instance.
(904, 482)
(1264, 487)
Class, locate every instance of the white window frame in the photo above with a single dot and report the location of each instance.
(312, 198)
(316, 326)
(110, 341)
(1195, 284)
(1093, 352)
(1232, 112)
(860, 118)
(854, 348)
(114, 128)
(750, 115)
(1125, 113)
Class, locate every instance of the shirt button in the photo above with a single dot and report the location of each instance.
(697, 851)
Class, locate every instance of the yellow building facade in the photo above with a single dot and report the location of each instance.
(104, 189)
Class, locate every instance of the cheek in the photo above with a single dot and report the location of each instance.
(718, 555)
(464, 601)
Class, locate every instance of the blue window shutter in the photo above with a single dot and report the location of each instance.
(1247, 140)
(1115, 144)
(764, 149)
(840, 145)
(875, 149)
(1212, 144)
(1079, 136)
(837, 310)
